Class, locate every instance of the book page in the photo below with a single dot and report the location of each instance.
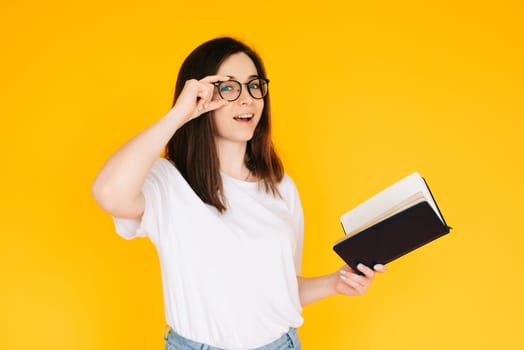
(409, 202)
(387, 203)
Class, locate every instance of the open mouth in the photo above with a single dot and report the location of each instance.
(244, 117)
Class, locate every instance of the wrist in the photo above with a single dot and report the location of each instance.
(176, 117)
(174, 120)
(331, 283)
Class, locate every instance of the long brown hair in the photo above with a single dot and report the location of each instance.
(192, 148)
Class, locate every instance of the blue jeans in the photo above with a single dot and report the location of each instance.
(287, 341)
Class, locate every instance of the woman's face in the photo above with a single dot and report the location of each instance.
(236, 121)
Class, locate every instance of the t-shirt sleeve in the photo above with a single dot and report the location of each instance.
(155, 190)
(297, 217)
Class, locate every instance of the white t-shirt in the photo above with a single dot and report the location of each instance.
(229, 280)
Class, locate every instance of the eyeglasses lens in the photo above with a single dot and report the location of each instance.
(257, 88)
(230, 90)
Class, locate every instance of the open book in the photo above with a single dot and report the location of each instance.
(401, 218)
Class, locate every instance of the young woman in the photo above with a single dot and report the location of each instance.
(225, 219)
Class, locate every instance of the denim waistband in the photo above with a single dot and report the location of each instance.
(175, 341)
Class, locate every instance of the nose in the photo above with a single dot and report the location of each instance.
(245, 97)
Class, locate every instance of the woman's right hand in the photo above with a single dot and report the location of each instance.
(196, 97)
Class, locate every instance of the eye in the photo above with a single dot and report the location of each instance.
(254, 86)
(226, 88)
(230, 86)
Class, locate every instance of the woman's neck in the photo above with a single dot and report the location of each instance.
(232, 159)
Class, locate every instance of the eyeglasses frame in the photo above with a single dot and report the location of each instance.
(217, 84)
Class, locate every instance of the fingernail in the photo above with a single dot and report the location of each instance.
(343, 272)
(344, 278)
(379, 267)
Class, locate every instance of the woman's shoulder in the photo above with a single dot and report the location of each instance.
(164, 169)
(289, 193)
(287, 185)
(161, 165)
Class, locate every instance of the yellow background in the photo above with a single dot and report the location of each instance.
(363, 94)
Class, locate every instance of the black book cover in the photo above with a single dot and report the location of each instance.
(392, 237)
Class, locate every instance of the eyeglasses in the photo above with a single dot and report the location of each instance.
(230, 90)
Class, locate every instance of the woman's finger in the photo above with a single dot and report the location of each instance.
(214, 78)
(354, 280)
(205, 95)
(209, 104)
(369, 273)
(206, 92)
(379, 268)
(214, 104)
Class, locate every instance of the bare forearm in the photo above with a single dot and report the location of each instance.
(119, 183)
(345, 281)
(118, 187)
(312, 289)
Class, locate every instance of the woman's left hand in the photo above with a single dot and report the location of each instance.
(349, 282)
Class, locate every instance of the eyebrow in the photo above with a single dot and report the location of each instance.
(250, 77)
